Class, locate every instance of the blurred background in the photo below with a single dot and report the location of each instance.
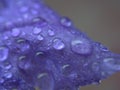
(100, 19)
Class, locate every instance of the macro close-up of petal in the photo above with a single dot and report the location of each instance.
(41, 50)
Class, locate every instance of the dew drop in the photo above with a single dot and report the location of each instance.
(112, 63)
(3, 53)
(37, 30)
(15, 32)
(66, 21)
(41, 75)
(40, 38)
(24, 9)
(51, 33)
(8, 75)
(23, 45)
(7, 66)
(103, 48)
(81, 46)
(1, 80)
(58, 44)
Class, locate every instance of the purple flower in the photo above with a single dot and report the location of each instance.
(40, 50)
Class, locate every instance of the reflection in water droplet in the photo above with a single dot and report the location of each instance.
(37, 30)
(3, 53)
(15, 32)
(51, 33)
(66, 21)
(39, 37)
(58, 44)
(81, 46)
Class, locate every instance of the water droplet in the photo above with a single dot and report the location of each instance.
(112, 63)
(65, 66)
(1, 80)
(37, 30)
(81, 46)
(58, 44)
(39, 37)
(41, 75)
(3, 53)
(22, 46)
(39, 53)
(15, 32)
(24, 9)
(103, 48)
(66, 21)
(7, 66)
(8, 75)
(51, 32)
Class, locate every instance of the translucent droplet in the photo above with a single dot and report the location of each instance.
(66, 21)
(1, 80)
(112, 63)
(7, 66)
(37, 30)
(45, 81)
(22, 46)
(103, 48)
(58, 44)
(8, 75)
(39, 37)
(15, 32)
(81, 46)
(51, 33)
(3, 53)
(24, 9)
(41, 75)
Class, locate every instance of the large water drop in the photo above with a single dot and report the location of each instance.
(81, 46)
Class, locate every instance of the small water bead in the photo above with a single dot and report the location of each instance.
(51, 32)
(58, 44)
(3, 53)
(81, 46)
(101, 47)
(8, 75)
(1, 80)
(37, 30)
(22, 45)
(40, 37)
(41, 75)
(15, 32)
(7, 66)
(66, 21)
(23, 9)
